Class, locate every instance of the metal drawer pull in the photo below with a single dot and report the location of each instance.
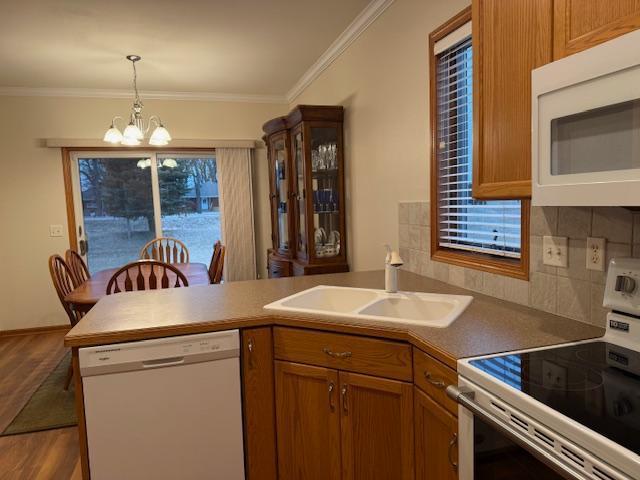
(332, 387)
(452, 443)
(343, 392)
(436, 383)
(465, 397)
(250, 349)
(336, 354)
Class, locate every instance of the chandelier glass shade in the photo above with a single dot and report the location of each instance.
(137, 128)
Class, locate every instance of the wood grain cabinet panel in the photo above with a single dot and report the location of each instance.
(372, 356)
(581, 24)
(308, 422)
(510, 38)
(436, 435)
(434, 377)
(259, 404)
(377, 428)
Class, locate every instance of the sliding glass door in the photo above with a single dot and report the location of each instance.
(123, 200)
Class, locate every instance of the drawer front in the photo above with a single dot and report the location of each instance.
(433, 377)
(279, 269)
(351, 353)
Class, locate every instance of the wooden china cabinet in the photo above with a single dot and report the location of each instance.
(306, 179)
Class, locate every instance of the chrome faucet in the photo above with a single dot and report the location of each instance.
(392, 264)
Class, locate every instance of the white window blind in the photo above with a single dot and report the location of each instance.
(491, 227)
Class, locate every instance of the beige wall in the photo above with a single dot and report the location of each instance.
(382, 81)
(32, 190)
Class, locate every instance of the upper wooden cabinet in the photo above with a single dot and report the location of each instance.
(581, 24)
(510, 38)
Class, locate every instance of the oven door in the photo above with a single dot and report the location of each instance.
(489, 449)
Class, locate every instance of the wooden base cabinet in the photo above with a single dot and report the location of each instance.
(340, 425)
(376, 420)
(259, 404)
(308, 422)
(436, 440)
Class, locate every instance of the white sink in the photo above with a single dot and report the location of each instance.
(428, 309)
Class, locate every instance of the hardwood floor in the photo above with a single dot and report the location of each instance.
(25, 361)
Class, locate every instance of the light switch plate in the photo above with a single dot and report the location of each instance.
(554, 251)
(596, 254)
(55, 230)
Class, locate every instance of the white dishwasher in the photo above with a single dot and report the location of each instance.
(164, 409)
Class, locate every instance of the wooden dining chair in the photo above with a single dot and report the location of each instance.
(63, 282)
(146, 275)
(219, 266)
(79, 271)
(215, 257)
(165, 249)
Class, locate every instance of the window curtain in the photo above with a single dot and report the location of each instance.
(236, 204)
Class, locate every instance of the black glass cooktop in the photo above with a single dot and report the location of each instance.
(596, 384)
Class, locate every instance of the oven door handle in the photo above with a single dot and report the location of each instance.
(465, 397)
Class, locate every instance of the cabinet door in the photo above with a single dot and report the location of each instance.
(279, 166)
(308, 422)
(436, 433)
(377, 428)
(509, 40)
(581, 24)
(259, 404)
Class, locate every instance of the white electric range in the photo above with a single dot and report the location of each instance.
(567, 411)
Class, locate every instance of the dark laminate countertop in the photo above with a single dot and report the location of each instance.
(487, 326)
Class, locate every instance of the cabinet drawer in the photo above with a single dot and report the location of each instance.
(279, 269)
(433, 378)
(343, 352)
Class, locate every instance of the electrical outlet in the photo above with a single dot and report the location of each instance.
(55, 230)
(596, 254)
(554, 251)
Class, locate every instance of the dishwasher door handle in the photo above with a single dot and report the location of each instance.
(465, 397)
(163, 362)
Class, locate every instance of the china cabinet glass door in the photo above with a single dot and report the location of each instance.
(301, 209)
(326, 191)
(281, 192)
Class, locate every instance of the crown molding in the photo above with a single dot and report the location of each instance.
(175, 143)
(150, 95)
(370, 13)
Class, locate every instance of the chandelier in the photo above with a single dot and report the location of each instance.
(135, 131)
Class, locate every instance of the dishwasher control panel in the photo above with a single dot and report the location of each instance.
(159, 352)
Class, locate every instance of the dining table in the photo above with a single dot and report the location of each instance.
(87, 294)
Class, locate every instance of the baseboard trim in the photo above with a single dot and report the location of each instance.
(34, 330)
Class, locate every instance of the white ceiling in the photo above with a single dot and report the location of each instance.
(254, 47)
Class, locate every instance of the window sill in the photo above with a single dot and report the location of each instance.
(486, 263)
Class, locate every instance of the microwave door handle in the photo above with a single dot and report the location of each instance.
(465, 397)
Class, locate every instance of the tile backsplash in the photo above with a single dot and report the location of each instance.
(573, 292)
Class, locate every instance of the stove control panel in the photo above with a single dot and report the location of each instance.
(622, 292)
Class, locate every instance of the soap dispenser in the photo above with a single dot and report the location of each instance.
(392, 264)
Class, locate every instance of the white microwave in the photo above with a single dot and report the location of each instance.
(586, 127)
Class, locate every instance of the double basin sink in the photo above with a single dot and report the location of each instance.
(415, 308)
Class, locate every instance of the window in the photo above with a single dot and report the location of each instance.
(123, 200)
(473, 233)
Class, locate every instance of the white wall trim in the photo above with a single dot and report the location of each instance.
(151, 95)
(175, 143)
(346, 38)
